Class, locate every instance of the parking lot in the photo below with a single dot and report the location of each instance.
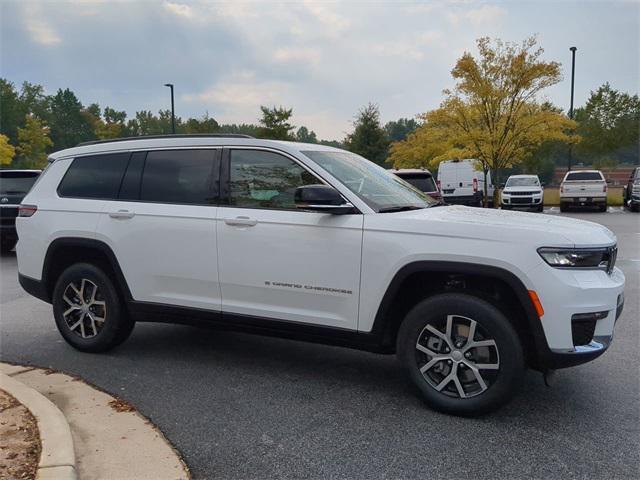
(241, 406)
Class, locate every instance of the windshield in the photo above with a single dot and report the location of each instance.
(577, 176)
(422, 182)
(378, 188)
(16, 182)
(522, 182)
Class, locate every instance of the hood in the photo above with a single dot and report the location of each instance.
(498, 226)
(531, 188)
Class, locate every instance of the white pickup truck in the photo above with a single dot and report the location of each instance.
(583, 188)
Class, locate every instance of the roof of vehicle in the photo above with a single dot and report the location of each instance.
(522, 175)
(580, 171)
(176, 141)
(19, 170)
(412, 171)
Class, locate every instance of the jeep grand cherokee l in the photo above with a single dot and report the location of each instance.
(319, 244)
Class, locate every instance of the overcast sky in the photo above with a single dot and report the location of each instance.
(323, 59)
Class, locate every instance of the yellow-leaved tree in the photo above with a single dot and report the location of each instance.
(33, 142)
(7, 151)
(493, 114)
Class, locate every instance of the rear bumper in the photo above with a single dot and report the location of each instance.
(34, 287)
(470, 200)
(583, 200)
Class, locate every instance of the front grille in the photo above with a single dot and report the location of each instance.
(582, 331)
(522, 193)
(521, 200)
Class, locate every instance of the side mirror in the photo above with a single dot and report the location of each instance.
(322, 199)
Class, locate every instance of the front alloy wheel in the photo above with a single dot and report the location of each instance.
(457, 359)
(461, 352)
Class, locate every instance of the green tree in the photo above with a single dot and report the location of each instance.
(305, 135)
(275, 123)
(113, 125)
(397, 130)
(12, 111)
(609, 125)
(33, 143)
(7, 151)
(205, 125)
(70, 123)
(492, 114)
(368, 138)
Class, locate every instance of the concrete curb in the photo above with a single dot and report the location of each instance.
(57, 459)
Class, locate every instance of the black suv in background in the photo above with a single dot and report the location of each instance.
(632, 191)
(14, 185)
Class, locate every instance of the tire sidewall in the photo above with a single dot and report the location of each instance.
(493, 322)
(115, 321)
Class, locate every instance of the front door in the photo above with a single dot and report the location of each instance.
(276, 261)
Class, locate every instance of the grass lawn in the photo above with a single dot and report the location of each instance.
(552, 196)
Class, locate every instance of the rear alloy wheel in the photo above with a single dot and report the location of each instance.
(462, 353)
(88, 309)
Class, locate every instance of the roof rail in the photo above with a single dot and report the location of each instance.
(178, 135)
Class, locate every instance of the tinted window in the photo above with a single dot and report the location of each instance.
(577, 176)
(262, 179)
(422, 182)
(17, 183)
(96, 176)
(130, 189)
(178, 176)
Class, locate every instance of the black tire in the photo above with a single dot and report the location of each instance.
(506, 207)
(603, 208)
(540, 208)
(492, 324)
(7, 244)
(104, 335)
(635, 207)
(563, 207)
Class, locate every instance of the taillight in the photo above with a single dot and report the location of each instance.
(27, 210)
(475, 185)
(438, 182)
(604, 188)
(561, 188)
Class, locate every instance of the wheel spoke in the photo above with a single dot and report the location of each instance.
(444, 382)
(458, 385)
(93, 324)
(449, 327)
(479, 379)
(426, 350)
(96, 318)
(69, 302)
(487, 366)
(472, 331)
(439, 334)
(431, 363)
(70, 309)
(75, 325)
(77, 292)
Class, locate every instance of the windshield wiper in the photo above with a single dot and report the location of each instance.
(399, 208)
(13, 192)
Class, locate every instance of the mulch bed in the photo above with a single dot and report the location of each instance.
(19, 440)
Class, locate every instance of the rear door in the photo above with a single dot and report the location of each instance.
(162, 227)
(279, 262)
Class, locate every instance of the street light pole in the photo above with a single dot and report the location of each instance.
(173, 111)
(573, 74)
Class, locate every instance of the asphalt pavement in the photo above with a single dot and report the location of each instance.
(242, 406)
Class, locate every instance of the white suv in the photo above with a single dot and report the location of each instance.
(522, 191)
(318, 244)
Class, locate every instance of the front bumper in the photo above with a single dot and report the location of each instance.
(565, 293)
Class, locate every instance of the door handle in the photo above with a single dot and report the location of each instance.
(123, 214)
(241, 222)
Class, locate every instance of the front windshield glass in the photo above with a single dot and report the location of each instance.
(381, 190)
(523, 182)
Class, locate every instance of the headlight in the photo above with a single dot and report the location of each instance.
(600, 258)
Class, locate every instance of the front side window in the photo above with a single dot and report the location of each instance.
(94, 176)
(261, 179)
(178, 176)
(380, 189)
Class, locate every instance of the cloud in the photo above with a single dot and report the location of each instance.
(40, 30)
(297, 54)
(179, 9)
(483, 17)
(409, 48)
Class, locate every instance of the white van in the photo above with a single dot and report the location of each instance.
(462, 182)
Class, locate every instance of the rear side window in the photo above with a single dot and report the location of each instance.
(95, 176)
(580, 176)
(178, 176)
